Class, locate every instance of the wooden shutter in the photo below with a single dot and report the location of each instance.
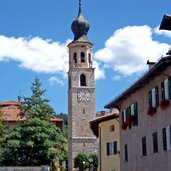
(164, 139)
(115, 147)
(108, 148)
(162, 91)
(169, 85)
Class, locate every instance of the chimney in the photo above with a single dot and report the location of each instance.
(150, 64)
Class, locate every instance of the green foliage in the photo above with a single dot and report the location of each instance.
(36, 141)
(3, 134)
(64, 117)
(36, 105)
(94, 158)
(81, 161)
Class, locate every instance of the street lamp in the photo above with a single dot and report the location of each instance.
(91, 163)
(83, 165)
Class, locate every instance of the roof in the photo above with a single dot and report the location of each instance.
(94, 124)
(166, 22)
(151, 73)
(11, 102)
(12, 113)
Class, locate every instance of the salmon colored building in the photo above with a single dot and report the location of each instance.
(11, 111)
(145, 120)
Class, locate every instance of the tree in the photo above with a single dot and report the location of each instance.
(36, 141)
(81, 161)
(3, 134)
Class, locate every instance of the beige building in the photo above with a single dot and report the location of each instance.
(145, 120)
(106, 128)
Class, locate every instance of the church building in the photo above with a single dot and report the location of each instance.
(81, 91)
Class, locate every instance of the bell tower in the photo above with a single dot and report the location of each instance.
(81, 91)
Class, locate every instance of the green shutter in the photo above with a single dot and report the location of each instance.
(108, 148)
(155, 143)
(164, 139)
(136, 113)
(162, 91)
(144, 146)
(157, 96)
(169, 84)
(150, 98)
(126, 152)
(115, 147)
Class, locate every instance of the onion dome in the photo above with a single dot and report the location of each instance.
(80, 27)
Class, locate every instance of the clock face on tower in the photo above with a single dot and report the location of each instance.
(83, 95)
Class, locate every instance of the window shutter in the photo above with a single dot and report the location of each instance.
(126, 152)
(153, 97)
(107, 148)
(115, 147)
(155, 143)
(169, 85)
(166, 89)
(156, 96)
(132, 110)
(136, 113)
(124, 115)
(150, 98)
(144, 146)
(162, 91)
(164, 139)
(168, 137)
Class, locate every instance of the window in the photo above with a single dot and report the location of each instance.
(134, 113)
(153, 97)
(111, 148)
(166, 132)
(144, 146)
(82, 57)
(82, 80)
(75, 57)
(69, 82)
(130, 115)
(112, 128)
(155, 143)
(126, 152)
(166, 89)
(89, 58)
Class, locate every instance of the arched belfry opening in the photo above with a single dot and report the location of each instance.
(82, 80)
(82, 57)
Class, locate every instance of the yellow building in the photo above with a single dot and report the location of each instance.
(106, 128)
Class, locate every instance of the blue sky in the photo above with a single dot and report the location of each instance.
(34, 36)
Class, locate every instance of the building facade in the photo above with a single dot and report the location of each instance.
(81, 91)
(11, 114)
(145, 120)
(106, 128)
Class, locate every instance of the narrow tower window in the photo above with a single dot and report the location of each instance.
(75, 57)
(83, 80)
(89, 58)
(82, 57)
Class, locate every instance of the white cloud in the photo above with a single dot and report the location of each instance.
(42, 56)
(54, 80)
(129, 48)
(166, 33)
(35, 54)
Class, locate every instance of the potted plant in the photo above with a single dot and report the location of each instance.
(164, 104)
(151, 111)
